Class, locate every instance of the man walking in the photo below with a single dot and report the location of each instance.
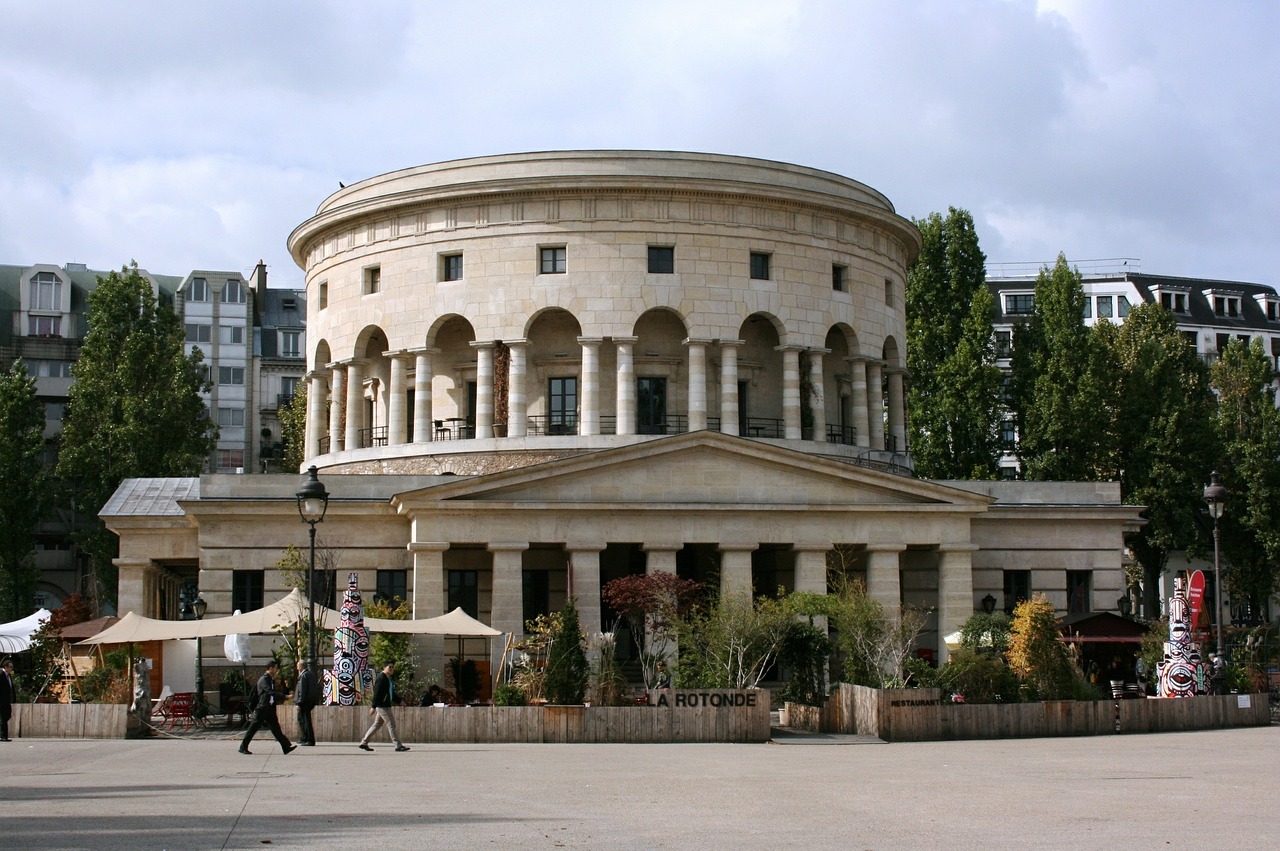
(8, 697)
(265, 711)
(306, 696)
(383, 697)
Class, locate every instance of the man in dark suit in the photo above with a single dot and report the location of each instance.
(265, 711)
(306, 696)
(8, 697)
(383, 700)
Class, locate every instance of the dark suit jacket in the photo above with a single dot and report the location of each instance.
(8, 691)
(267, 696)
(382, 691)
(306, 695)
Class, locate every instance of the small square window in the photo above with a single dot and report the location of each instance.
(551, 261)
(759, 266)
(837, 277)
(372, 280)
(196, 333)
(662, 260)
(231, 335)
(231, 375)
(231, 417)
(451, 267)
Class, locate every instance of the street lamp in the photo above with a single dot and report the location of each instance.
(313, 502)
(988, 603)
(1215, 496)
(198, 608)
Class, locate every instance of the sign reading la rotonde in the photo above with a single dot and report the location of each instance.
(695, 698)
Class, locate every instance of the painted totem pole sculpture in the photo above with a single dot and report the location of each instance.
(351, 677)
(1181, 673)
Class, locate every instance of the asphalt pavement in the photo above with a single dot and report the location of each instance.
(1209, 789)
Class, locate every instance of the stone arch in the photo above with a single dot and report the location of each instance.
(841, 344)
(553, 371)
(760, 375)
(455, 370)
(321, 357)
(661, 371)
(375, 377)
(890, 353)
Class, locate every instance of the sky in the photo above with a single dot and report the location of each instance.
(199, 135)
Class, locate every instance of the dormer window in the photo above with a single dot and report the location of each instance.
(1225, 305)
(1019, 303)
(1173, 301)
(198, 290)
(45, 292)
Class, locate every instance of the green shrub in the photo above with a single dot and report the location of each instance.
(508, 695)
(567, 671)
(803, 655)
(979, 677)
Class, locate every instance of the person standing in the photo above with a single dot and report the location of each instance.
(306, 696)
(8, 697)
(383, 699)
(265, 711)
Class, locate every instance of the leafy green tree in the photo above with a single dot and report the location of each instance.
(1037, 653)
(395, 647)
(732, 643)
(1061, 391)
(567, 671)
(954, 396)
(293, 429)
(875, 645)
(1163, 442)
(24, 489)
(135, 408)
(1248, 429)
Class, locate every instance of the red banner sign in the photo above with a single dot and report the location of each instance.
(1195, 601)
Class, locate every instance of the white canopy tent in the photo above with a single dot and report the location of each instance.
(15, 636)
(284, 612)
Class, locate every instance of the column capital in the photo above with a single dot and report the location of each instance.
(423, 350)
(590, 341)
(427, 546)
(886, 548)
(697, 341)
(894, 370)
(519, 342)
(788, 348)
(817, 350)
(812, 546)
(853, 360)
(314, 374)
(350, 362)
(661, 547)
(397, 353)
(629, 341)
(731, 344)
(584, 546)
(507, 546)
(482, 344)
(958, 547)
(737, 548)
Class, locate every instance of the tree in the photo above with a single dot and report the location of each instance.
(135, 408)
(651, 604)
(1248, 429)
(567, 671)
(24, 489)
(1037, 653)
(293, 429)
(1061, 390)
(733, 643)
(875, 644)
(953, 401)
(1162, 445)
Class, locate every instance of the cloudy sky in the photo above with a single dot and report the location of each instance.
(198, 135)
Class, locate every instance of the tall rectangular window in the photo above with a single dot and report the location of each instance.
(1017, 588)
(537, 595)
(322, 295)
(551, 261)
(888, 292)
(1079, 591)
(231, 375)
(562, 405)
(1004, 344)
(1088, 307)
(198, 290)
(759, 266)
(451, 267)
(372, 279)
(1105, 307)
(392, 586)
(662, 260)
(231, 335)
(290, 344)
(837, 277)
(45, 292)
(233, 292)
(464, 592)
(197, 333)
(246, 590)
(288, 387)
(651, 405)
(1122, 306)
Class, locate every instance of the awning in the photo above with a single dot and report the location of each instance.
(15, 636)
(285, 612)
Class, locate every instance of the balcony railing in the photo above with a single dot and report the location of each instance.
(846, 435)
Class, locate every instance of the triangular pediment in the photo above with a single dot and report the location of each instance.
(700, 468)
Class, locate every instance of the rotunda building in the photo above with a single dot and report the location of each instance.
(480, 314)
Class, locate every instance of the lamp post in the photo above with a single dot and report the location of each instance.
(313, 502)
(1215, 496)
(988, 603)
(199, 607)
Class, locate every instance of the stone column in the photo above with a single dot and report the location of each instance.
(884, 578)
(729, 385)
(590, 401)
(697, 383)
(584, 580)
(131, 587)
(355, 403)
(811, 567)
(317, 395)
(858, 388)
(626, 395)
(397, 402)
(508, 592)
(790, 391)
(484, 388)
(818, 402)
(735, 570)
(423, 408)
(875, 404)
(660, 556)
(897, 411)
(428, 594)
(337, 402)
(955, 591)
(517, 399)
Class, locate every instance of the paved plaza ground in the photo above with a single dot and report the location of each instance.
(1210, 789)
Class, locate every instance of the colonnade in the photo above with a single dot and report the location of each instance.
(340, 389)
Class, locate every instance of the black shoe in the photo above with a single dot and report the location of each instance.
(290, 749)
(6, 739)
(364, 747)
(307, 744)
(400, 748)
(246, 752)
